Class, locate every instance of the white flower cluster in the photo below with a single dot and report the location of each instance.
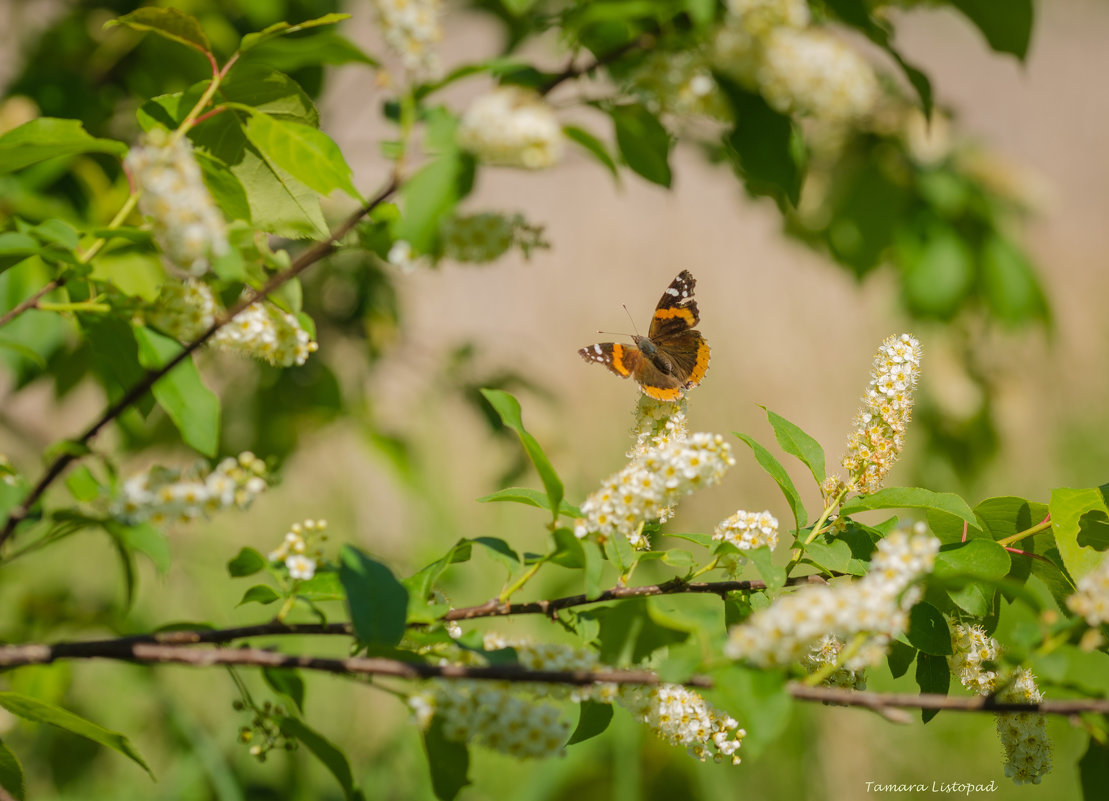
(185, 310)
(748, 530)
(971, 650)
(302, 549)
(504, 715)
(769, 46)
(1091, 598)
(877, 606)
(650, 484)
(679, 83)
(187, 225)
(485, 237)
(879, 427)
(657, 423)
(412, 29)
(1022, 734)
(825, 653)
(162, 495)
(512, 127)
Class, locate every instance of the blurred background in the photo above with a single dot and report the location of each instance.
(1005, 409)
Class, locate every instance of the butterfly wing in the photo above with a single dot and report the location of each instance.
(673, 334)
(624, 360)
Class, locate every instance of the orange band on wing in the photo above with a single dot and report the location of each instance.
(676, 311)
(700, 368)
(618, 360)
(659, 393)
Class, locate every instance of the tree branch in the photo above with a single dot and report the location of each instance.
(160, 653)
(31, 302)
(306, 258)
(643, 42)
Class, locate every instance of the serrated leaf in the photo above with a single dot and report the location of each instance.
(508, 408)
(259, 594)
(593, 146)
(932, 676)
(324, 750)
(306, 153)
(378, 603)
(38, 711)
(643, 141)
(449, 762)
(928, 630)
(246, 563)
(192, 407)
(1068, 509)
(168, 23)
(11, 773)
(775, 470)
(50, 137)
(797, 443)
(593, 719)
(911, 498)
(252, 40)
(287, 682)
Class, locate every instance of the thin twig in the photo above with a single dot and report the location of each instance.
(306, 258)
(31, 302)
(644, 42)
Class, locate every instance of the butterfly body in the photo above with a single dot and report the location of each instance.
(672, 358)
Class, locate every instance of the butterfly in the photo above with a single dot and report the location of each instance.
(672, 358)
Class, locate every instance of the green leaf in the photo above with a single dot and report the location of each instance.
(246, 563)
(518, 7)
(761, 145)
(428, 196)
(938, 269)
(252, 40)
(1093, 770)
(259, 594)
(1009, 283)
(928, 630)
(82, 485)
(167, 22)
(332, 758)
(50, 137)
(1069, 507)
(899, 658)
(500, 551)
(192, 407)
(11, 773)
(911, 498)
(286, 681)
(629, 633)
(592, 721)
(932, 676)
(593, 568)
(449, 762)
(378, 603)
(40, 712)
(509, 410)
(974, 559)
(758, 699)
(306, 153)
(568, 550)
(324, 586)
(834, 556)
(643, 141)
(775, 470)
(797, 443)
(1006, 26)
(313, 50)
(16, 246)
(529, 497)
(265, 89)
(147, 539)
(773, 575)
(593, 146)
(620, 552)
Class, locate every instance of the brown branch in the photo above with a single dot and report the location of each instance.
(306, 258)
(643, 42)
(160, 653)
(31, 302)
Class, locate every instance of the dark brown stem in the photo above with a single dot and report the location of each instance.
(572, 71)
(31, 302)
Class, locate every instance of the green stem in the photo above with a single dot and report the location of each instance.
(817, 528)
(285, 608)
(1028, 532)
(84, 305)
(520, 582)
(202, 103)
(710, 566)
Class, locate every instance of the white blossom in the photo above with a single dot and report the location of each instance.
(512, 127)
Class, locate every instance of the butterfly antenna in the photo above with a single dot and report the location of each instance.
(625, 308)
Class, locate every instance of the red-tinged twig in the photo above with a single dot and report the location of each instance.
(31, 302)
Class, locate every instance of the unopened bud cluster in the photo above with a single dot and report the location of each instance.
(411, 28)
(518, 718)
(769, 46)
(1023, 734)
(264, 732)
(512, 127)
(185, 310)
(485, 237)
(161, 495)
(302, 549)
(876, 606)
(651, 484)
(1091, 598)
(187, 225)
(879, 428)
(826, 653)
